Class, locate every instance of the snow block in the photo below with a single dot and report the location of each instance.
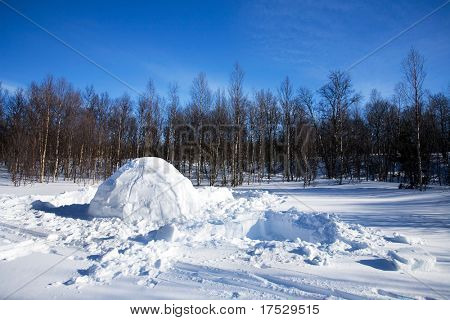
(148, 189)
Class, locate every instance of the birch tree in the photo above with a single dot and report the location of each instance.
(414, 75)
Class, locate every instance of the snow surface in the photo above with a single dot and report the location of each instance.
(146, 188)
(269, 241)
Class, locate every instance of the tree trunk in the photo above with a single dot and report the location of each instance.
(44, 146)
(55, 170)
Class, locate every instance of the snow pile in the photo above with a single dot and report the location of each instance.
(314, 238)
(400, 238)
(324, 229)
(413, 259)
(214, 195)
(147, 189)
(12, 251)
(232, 217)
(130, 258)
(81, 196)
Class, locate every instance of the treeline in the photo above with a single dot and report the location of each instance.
(52, 131)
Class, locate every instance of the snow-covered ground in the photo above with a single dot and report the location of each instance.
(269, 241)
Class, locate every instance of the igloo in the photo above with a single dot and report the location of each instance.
(146, 188)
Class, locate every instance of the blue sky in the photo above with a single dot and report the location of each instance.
(172, 41)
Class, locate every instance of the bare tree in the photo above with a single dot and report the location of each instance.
(121, 113)
(3, 99)
(237, 102)
(286, 98)
(173, 107)
(201, 105)
(414, 75)
(42, 101)
(337, 98)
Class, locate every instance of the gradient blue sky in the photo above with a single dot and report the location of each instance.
(171, 41)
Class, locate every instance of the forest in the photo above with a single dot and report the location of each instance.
(52, 131)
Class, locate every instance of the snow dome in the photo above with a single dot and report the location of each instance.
(146, 188)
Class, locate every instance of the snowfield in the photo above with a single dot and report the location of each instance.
(270, 241)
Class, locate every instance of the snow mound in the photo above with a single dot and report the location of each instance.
(16, 250)
(149, 189)
(323, 229)
(82, 196)
(214, 195)
(400, 238)
(413, 259)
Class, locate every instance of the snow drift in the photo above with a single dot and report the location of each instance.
(148, 189)
(317, 237)
(412, 259)
(319, 228)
